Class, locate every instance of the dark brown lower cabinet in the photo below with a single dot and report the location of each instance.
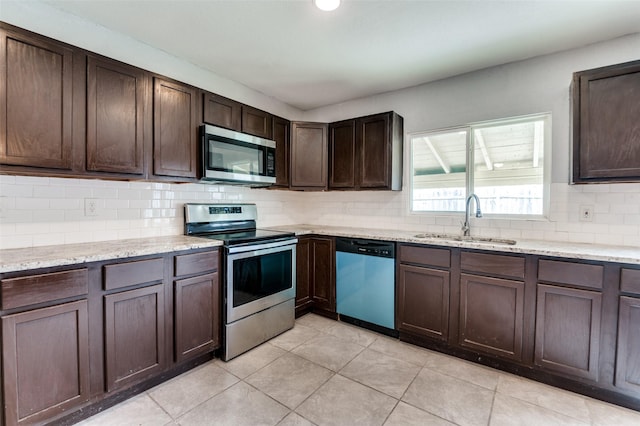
(423, 301)
(45, 368)
(197, 319)
(134, 335)
(492, 315)
(628, 355)
(315, 274)
(567, 337)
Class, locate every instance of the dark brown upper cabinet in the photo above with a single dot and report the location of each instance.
(222, 112)
(230, 114)
(117, 106)
(366, 153)
(606, 124)
(281, 134)
(309, 156)
(256, 122)
(36, 100)
(175, 129)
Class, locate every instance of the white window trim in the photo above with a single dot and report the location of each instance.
(546, 181)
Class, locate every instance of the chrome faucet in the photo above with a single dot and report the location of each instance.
(466, 226)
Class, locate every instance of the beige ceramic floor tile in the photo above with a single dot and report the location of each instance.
(294, 419)
(603, 414)
(465, 370)
(381, 372)
(250, 362)
(448, 397)
(353, 334)
(239, 405)
(316, 321)
(290, 379)
(407, 415)
(510, 411)
(137, 411)
(328, 351)
(400, 350)
(341, 401)
(558, 400)
(293, 338)
(188, 390)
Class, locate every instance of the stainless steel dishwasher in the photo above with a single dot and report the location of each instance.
(365, 283)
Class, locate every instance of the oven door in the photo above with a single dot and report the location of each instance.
(259, 276)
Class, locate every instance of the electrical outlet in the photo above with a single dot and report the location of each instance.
(90, 207)
(586, 213)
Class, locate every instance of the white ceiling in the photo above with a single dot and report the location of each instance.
(307, 58)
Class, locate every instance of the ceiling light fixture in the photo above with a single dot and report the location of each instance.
(327, 5)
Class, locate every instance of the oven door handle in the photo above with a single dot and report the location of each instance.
(262, 246)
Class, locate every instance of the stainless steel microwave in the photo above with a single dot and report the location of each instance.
(237, 158)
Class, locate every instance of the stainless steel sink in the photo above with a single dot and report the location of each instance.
(470, 239)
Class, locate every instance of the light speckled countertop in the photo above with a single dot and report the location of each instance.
(12, 260)
(619, 254)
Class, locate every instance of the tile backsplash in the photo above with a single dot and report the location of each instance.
(36, 211)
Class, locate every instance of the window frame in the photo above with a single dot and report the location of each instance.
(470, 165)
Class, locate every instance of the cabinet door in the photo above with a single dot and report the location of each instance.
(116, 104)
(198, 312)
(628, 354)
(324, 272)
(423, 301)
(492, 315)
(342, 155)
(303, 274)
(308, 156)
(36, 77)
(45, 356)
(222, 112)
(606, 125)
(568, 330)
(374, 149)
(174, 129)
(134, 335)
(256, 122)
(281, 136)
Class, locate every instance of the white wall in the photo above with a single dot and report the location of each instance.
(43, 211)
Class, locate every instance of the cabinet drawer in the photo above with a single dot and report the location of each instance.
(630, 280)
(425, 256)
(133, 273)
(196, 263)
(579, 274)
(493, 264)
(24, 291)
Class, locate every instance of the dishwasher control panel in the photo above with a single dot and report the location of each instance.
(366, 247)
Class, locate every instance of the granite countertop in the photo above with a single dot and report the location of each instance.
(605, 253)
(12, 260)
(23, 259)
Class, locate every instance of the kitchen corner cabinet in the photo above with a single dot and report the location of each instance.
(37, 77)
(366, 153)
(568, 318)
(315, 279)
(627, 376)
(606, 128)
(281, 135)
(175, 129)
(45, 349)
(117, 108)
(423, 291)
(309, 156)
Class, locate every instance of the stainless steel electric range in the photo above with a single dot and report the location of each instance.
(259, 270)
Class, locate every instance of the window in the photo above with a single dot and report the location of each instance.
(501, 161)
